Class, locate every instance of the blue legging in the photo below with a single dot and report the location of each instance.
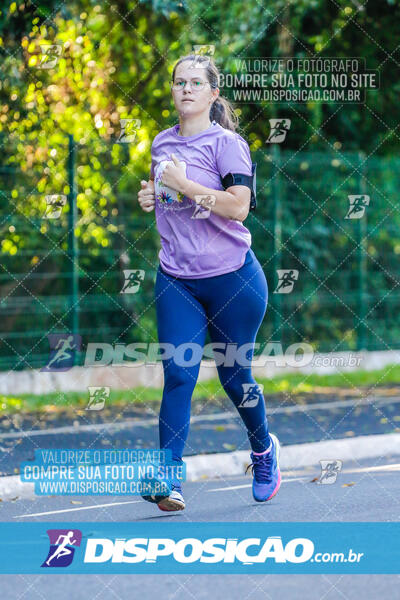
(232, 306)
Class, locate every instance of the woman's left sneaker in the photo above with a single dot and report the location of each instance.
(266, 473)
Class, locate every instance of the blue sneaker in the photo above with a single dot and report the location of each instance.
(169, 496)
(266, 473)
(174, 501)
(171, 500)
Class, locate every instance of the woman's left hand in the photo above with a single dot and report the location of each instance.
(174, 175)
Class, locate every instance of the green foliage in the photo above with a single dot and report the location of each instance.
(298, 386)
(116, 60)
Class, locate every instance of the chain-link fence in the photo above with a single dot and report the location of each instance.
(326, 231)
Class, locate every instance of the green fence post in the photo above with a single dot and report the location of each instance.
(277, 243)
(72, 240)
(361, 262)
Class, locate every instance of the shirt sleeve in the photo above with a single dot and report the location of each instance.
(234, 157)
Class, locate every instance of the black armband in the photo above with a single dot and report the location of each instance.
(247, 180)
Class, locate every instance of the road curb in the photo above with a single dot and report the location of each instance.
(295, 456)
(226, 464)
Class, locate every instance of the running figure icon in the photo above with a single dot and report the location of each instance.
(62, 353)
(62, 550)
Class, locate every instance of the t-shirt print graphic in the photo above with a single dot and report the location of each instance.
(166, 196)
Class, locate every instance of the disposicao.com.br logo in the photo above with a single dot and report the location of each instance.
(212, 550)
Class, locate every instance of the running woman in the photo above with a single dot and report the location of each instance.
(208, 276)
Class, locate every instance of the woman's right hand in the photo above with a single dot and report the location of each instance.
(146, 195)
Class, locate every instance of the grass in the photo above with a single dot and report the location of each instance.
(140, 397)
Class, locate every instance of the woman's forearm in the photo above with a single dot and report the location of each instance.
(220, 202)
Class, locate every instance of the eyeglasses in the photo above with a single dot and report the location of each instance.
(195, 84)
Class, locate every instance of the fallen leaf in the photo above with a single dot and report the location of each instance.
(229, 446)
(76, 502)
(348, 484)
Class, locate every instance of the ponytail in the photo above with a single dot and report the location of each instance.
(222, 112)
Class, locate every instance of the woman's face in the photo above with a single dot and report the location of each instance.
(195, 95)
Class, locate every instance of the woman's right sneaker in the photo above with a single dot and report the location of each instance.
(174, 501)
(171, 500)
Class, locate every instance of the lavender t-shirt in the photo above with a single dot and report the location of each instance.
(195, 242)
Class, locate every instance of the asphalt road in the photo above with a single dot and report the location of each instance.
(199, 587)
(209, 432)
(368, 490)
(365, 490)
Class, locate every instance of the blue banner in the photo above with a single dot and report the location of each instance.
(83, 547)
